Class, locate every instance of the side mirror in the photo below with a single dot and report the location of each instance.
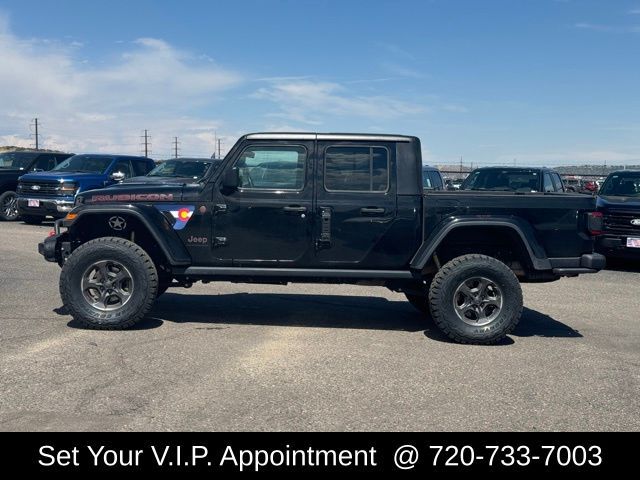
(231, 179)
(117, 176)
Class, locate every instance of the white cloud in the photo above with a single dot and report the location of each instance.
(102, 106)
(309, 102)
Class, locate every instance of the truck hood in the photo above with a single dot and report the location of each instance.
(146, 180)
(63, 177)
(627, 203)
(135, 192)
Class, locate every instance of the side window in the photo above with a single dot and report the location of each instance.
(548, 184)
(356, 169)
(272, 167)
(427, 184)
(45, 162)
(557, 182)
(437, 180)
(140, 167)
(123, 166)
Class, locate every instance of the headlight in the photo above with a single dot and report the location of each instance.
(69, 187)
(79, 200)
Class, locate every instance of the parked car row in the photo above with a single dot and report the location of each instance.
(35, 185)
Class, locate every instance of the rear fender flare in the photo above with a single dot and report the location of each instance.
(536, 252)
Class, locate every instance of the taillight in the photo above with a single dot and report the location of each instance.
(595, 221)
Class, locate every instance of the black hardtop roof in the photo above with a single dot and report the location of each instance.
(329, 136)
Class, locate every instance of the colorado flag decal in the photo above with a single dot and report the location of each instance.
(182, 214)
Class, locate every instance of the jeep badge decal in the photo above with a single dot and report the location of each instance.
(635, 221)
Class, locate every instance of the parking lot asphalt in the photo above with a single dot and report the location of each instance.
(228, 356)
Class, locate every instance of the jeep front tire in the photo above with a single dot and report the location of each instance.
(475, 299)
(108, 283)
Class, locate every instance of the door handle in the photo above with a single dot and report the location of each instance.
(295, 209)
(372, 211)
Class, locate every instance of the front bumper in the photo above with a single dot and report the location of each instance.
(55, 248)
(616, 246)
(570, 267)
(53, 207)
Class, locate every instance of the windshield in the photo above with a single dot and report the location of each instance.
(517, 180)
(182, 169)
(622, 185)
(84, 164)
(15, 160)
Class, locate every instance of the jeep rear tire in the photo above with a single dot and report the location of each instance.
(9, 206)
(108, 283)
(475, 299)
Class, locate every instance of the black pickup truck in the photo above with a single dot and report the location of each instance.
(333, 208)
(15, 164)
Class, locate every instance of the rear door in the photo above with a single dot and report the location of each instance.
(355, 203)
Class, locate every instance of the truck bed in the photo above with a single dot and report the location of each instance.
(556, 218)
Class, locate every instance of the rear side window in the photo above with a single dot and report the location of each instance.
(548, 184)
(427, 184)
(123, 166)
(273, 167)
(141, 167)
(436, 180)
(356, 169)
(45, 162)
(557, 182)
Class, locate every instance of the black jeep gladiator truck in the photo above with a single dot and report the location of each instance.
(332, 208)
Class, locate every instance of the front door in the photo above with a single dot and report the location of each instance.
(267, 221)
(356, 205)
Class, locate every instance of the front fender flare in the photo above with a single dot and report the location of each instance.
(151, 219)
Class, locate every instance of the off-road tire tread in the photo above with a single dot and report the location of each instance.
(118, 243)
(436, 293)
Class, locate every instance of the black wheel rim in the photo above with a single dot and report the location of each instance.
(10, 206)
(478, 301)
(107, 285)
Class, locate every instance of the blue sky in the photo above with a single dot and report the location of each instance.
(541, 81)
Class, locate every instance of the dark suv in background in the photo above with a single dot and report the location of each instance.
(15, 164)
(516, 179)
(619, 203)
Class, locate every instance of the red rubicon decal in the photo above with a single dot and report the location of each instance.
(133, 197)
